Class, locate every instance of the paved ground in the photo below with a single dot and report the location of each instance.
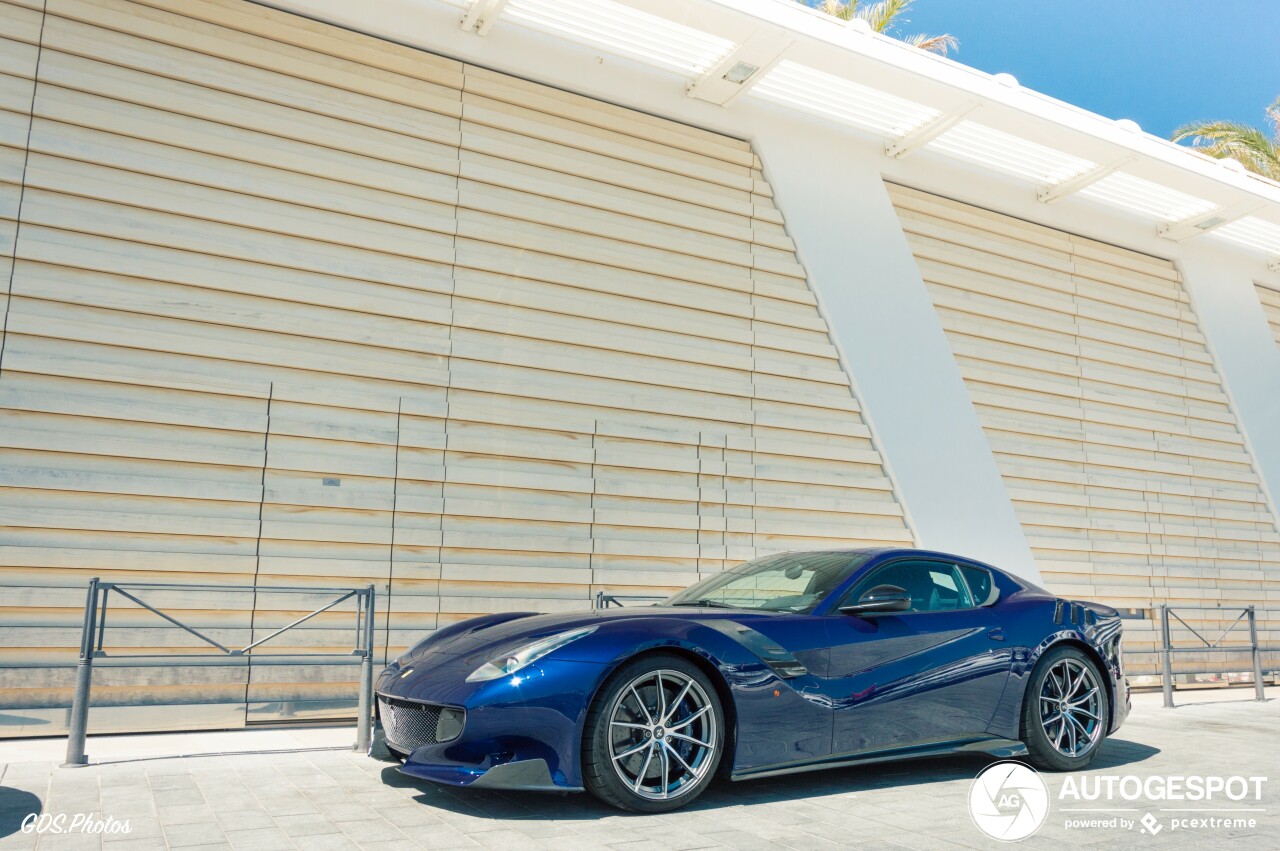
(334, 799)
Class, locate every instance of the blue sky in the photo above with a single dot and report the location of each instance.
(1161, 63)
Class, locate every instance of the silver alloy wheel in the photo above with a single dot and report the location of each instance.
(1071, 708)
(662, 734)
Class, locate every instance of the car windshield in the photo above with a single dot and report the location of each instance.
(787, 582)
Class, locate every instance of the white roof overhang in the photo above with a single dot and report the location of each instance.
(778, 51)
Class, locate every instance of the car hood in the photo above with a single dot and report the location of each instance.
(480, 639)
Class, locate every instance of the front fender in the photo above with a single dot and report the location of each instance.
(778, 717)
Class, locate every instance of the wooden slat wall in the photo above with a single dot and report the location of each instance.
(1270, 299)
(1104, 410)
(295, 306)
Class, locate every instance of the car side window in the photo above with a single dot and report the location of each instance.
(979, 582)
(934, 586)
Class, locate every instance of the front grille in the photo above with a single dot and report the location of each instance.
(408, 724)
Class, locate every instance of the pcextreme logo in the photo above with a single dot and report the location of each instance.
(1008, 801)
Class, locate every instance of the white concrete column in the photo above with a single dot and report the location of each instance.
(1221, 287)
(882, 319)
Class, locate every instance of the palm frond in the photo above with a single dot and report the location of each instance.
(1242, 142)
(939, 44)
(842, 9)
(883, 14)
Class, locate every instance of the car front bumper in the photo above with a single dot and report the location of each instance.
(520, 731)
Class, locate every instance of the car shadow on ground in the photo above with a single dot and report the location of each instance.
(723, 793)
(16, 805)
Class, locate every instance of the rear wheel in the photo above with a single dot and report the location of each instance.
(654, 735)
(1065, 712)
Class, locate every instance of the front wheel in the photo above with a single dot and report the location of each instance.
(654, 735)
(1065, 712)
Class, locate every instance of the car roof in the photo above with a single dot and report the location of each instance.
(889, 551)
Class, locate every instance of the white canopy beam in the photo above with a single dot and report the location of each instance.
(481, 15)
(1058, 191)
(1205, 222)
(922, 136)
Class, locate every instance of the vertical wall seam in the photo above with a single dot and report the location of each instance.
(391, 553)
(22, 186)
(257, 549)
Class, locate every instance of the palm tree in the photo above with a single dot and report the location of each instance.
(883, 17)
(1249, 146)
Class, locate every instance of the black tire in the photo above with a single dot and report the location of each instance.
(1050, 742)
(602, 740)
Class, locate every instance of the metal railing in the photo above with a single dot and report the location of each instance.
(604, 601)
(1248, 614)
(93, 632)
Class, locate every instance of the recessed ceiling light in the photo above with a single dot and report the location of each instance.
(741, 72)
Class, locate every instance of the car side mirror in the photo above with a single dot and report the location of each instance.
(882, 598)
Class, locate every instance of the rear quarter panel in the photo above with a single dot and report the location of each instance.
(1036, 622)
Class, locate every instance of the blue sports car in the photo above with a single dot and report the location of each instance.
(786, 663)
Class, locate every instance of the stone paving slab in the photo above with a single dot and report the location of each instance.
(336, 800)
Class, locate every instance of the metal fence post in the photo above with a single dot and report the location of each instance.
(79, 723)
(1258, 684)
(1166, 641)
(365, 707)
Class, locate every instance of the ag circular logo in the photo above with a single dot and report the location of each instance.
(1008, 801)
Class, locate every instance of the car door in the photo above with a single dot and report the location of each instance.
(929, 675)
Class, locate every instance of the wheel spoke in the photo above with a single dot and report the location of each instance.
(1071, 735)
(694, 717)
(644, 769)
(1055, 677)
(628, 725)
(675, 704)
(1076, 683)
(662, 698)
(1062, 729)
(665, 769)
(643, 708)
(679, 759)
(690, 739)
(1084, 698)
(634, 750)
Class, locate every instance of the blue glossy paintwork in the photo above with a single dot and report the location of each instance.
(801, 689)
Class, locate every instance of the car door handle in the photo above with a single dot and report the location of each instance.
(996, 634)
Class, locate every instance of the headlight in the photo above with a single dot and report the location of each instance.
(509, 663)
